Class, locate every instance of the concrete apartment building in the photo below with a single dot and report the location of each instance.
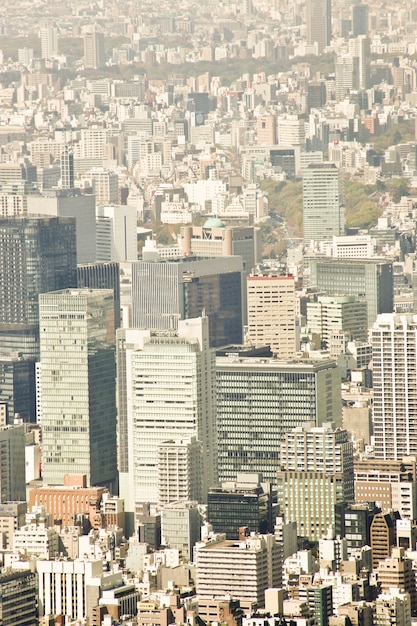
(394, 345)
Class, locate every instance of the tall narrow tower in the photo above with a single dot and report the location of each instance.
(394, 349)
(171, 395)
(319, 23)
(271, 314)
(78, 385)
(323, 202)
(94, 55)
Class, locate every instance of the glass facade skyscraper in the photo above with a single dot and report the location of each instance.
(77, 338)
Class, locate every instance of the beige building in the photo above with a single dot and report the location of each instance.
(391, 484)
(243, 569)
(397, 572)
(266, 130)
(271, 314)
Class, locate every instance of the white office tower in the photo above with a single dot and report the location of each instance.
(116, 233)
(49, 42)
(394, 349)
(170, 395)
(180, 471)
(323, 202)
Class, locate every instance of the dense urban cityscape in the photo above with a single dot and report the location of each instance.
(208, 313)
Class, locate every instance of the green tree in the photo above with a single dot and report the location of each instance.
(361, 210)
(399, 187)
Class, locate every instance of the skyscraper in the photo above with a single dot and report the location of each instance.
(94, 55)
(171, 395)
(102, 276)
(12, 468)
(78, 385)
(316, 472)
(323, 202)
(166, 291)
(319, 23)
(360, 18)
(394, 348)
(261, 399)
(49, 42)
(70, 203)
(36, 255)
(271, 314)
(370, 280)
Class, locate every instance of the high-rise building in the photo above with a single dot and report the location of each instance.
(105, 185)
(360, 47)
(266, 130)
(260, 399)
(70, 203)
(394, 345)
(346, 75)
(102, 276)
(320, 601)
(393, 608)
(49, 42)
(18, 598)
(383, 535)
(242, 569)
(12, 469)
(271, 314)
(170, 395)
(77, 337)
(214, 239)
(36, 255)
(66, 162)
(370, 280)
(181, 527)
(166, 291)
(319, 23)
(360, 17)
(316, 472)
(338, 314)
(116, 233)
(397, 571)
(18, 387)
(180, 471)
(390, 483)
(323, 202)
(246, 502)
(94, 54)
(353, 522)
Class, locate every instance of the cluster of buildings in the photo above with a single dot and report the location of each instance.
(191, 431)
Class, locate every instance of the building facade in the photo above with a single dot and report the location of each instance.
(171, 395)
(164, 292)
(77, 337)
(323, 202)
(316, 472)
(394, 345)
(261, 399)
(271, 314)
(370, 280)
